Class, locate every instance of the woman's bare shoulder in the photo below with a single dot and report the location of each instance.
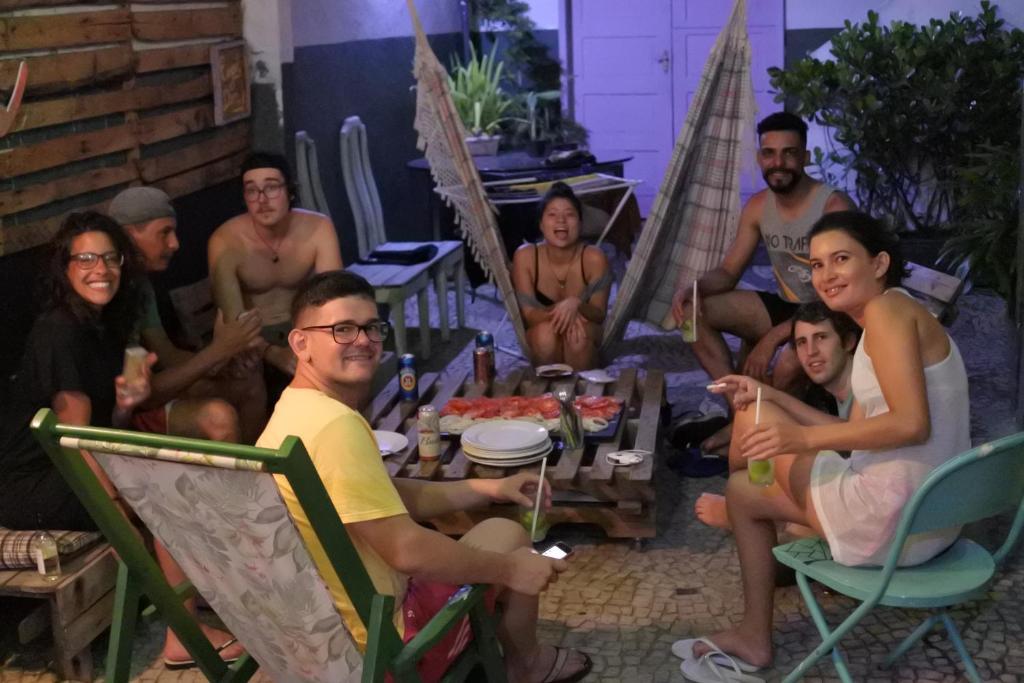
(594, 256)
(524, 252)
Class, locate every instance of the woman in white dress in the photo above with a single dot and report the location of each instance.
(910, 415)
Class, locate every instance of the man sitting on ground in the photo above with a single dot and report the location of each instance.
(260, 258)
(337, 340)
(185, 381)
(824, 341)
(780, 215)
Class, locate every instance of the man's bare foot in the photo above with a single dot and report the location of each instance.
(753, 648)
(174, 651)
(551, 664)
(711, 510)
(718, 443)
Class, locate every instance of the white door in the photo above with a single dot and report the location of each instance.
(623, 84)
(695, 26)
(636, 66)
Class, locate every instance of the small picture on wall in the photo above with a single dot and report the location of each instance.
(230, 82)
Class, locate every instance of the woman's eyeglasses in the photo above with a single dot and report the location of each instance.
(87, 260)
(270, 191)
(346, 333)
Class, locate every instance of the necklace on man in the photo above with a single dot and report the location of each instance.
(273, 249)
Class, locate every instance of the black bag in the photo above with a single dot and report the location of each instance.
(401, 257)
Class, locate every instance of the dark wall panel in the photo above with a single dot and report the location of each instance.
(370, 79)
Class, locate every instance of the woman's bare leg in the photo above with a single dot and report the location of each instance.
(580, 351)
(710, 507)
(753, 512)
(545, 344)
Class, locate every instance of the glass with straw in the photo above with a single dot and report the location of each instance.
(761, 472)
(534, 520)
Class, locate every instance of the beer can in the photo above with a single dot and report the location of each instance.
(485, 339)
(134, 370)
(429, 430)
(408, 387)
(483, 371)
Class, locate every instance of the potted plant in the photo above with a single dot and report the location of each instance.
(538, 120)
(479, 100)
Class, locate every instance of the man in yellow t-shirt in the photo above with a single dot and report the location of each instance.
(337, 339)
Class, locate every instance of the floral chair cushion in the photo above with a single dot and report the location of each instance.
(233, 537)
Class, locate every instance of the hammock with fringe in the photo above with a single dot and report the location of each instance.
(442, 140)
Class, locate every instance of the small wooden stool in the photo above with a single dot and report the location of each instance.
(80, 607)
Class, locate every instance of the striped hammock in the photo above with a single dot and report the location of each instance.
(694, 216)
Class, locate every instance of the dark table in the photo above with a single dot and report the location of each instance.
(516, 222)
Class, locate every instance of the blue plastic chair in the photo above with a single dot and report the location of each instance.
(985, 481)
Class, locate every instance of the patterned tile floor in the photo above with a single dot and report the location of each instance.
(625, 606)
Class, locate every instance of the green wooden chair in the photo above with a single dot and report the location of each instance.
(983, 482)
(217, 509)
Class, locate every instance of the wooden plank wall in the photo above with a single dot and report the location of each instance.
(115, 97)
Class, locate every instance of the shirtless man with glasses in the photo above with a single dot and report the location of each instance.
(259, 259)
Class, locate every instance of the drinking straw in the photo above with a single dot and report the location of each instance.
(536, 504)
(694, 306)
(757, 407)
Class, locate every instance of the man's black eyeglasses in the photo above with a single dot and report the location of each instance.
(346, 333)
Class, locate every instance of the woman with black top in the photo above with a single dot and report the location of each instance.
(71, 364)
(562, 285)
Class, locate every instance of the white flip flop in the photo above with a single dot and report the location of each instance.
(684, 650)
(705, 670)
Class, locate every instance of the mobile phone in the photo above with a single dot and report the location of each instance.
(558, 551)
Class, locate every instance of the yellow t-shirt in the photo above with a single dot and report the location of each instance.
(343, 450)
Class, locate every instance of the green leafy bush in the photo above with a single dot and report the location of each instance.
(918, 115)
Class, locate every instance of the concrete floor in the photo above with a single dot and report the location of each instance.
(625, 606)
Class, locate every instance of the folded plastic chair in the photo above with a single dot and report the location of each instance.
(981, 483)
(217, 509)
(361, 188)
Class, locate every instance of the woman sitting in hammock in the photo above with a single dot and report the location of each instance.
(562, 285)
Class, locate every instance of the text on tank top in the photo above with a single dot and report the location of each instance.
(788, 245)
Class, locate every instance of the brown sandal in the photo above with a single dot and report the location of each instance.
(561, 658)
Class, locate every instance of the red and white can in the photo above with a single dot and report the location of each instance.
(429, 433)
(483, 365)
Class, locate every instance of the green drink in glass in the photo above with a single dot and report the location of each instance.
(761, 472)
(526, 519)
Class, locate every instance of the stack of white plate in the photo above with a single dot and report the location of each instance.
(505, 443)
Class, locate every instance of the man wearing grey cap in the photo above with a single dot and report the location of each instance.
(191, 393)
(187, 384)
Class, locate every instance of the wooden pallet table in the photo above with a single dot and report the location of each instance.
(587, 489)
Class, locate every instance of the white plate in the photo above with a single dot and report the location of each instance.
(518, 462)
(505, 435)
(506, 455)
(626, 458)
(390, 442)
(554, 370)
(597, 376)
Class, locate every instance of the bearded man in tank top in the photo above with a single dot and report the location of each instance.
(780, 215)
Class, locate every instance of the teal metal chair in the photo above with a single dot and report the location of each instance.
(217, 509)
(985, 481)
